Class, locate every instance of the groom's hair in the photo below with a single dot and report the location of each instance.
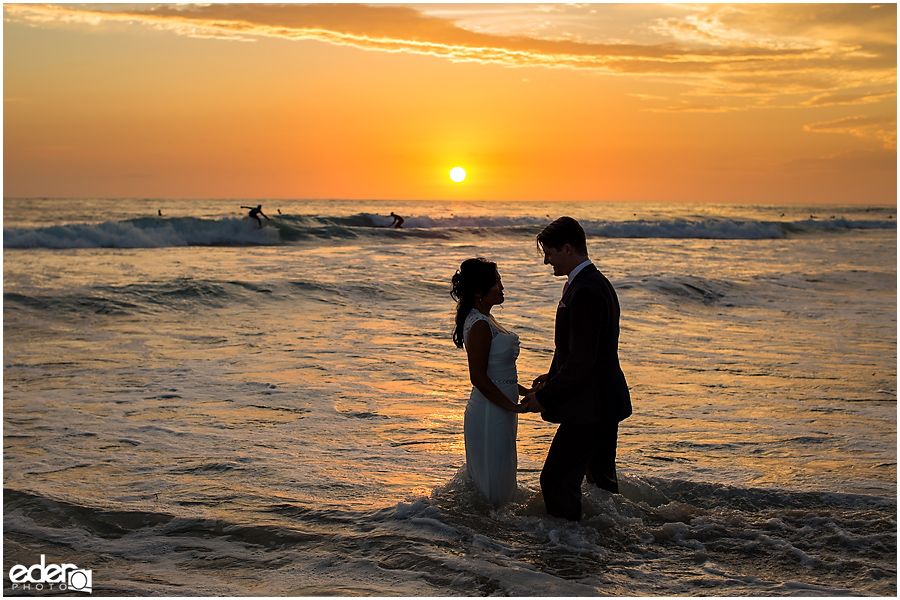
(564, 230)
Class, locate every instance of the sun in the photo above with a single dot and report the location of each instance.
(457, 174)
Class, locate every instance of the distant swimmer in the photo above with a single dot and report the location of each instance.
(255, 212)
(398, 221)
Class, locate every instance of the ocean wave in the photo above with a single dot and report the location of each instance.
(659, 534)
(143, 233)
(180, 294)
(284, 229)
(687, 288)
(834, 224)
(674, 228)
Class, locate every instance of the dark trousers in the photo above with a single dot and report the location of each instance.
(578, 451)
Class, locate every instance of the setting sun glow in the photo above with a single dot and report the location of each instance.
(593, 102)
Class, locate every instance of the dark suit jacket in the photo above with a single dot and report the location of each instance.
(586, 383)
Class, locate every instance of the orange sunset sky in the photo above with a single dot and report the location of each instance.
(761, 103)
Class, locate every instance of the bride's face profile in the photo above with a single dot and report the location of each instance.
(494, 295)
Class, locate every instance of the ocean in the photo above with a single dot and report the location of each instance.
(193, 406)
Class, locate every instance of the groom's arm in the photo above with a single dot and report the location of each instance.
(587, 310)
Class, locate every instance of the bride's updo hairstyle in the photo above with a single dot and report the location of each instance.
(475, 276)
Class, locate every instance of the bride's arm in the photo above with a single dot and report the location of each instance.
(478, 349)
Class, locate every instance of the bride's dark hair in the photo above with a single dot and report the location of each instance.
(475, 276)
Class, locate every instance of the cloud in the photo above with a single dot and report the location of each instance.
(749, 53)
(854, 97)
(405, 29)
(883, 128)
(780, 25)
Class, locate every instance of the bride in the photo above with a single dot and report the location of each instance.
(491, 414)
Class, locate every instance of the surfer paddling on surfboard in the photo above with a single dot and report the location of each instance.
(254, 214)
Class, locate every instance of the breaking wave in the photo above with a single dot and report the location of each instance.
(285, 229)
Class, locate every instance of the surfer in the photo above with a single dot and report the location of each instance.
(255, 212)
(398, 221)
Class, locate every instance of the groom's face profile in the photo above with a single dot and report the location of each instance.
(559, 258)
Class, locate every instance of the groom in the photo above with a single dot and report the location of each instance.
(585, 390)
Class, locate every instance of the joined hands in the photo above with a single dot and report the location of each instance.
(530, 402)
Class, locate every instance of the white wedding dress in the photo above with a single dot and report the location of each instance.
(489, 430)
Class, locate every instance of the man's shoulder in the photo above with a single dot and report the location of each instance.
(584, 273)
(592, 285)
(589, 276)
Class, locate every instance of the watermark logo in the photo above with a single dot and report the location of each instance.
(61, 578)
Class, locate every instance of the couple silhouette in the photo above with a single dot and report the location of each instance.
(584, 390)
